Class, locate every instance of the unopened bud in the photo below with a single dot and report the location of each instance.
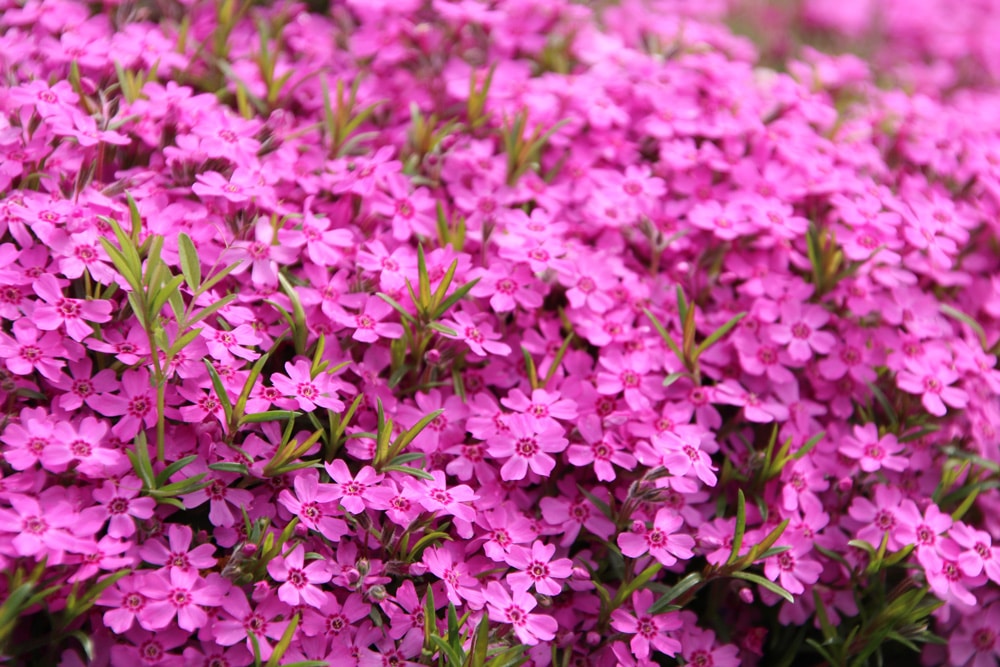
(377, 593)
(433, 357)
(363, 566)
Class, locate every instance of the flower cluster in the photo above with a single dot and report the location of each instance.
(489, 333)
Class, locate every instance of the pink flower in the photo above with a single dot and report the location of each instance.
(537, 569)
(136, 404)
(177, 553)
(240, 188)
(303, 390)
(976, 639)
(515, 610)
(264, 254)
(44, 526)
(455, 573)
(799, 330)
(603, 450)
(932, 384)
(662, 541)
(300, 580)
(122, 505)
(181, 594)
(311, 502)
(649, 632)
(352, 491)
(528, 443)
(479, 337)
(873, 452)
(509, 288)
(791, 569)
(368, 326)
(28, 351)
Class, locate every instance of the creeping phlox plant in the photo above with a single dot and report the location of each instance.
(482, 334)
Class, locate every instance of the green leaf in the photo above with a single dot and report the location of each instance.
(211, 309)
(665, 335)
(286, 640)
(190, 264)
(229, 466)
(678, 589)
(530, 369)
(624, 592)
(415, 472)
(220, 391)
(440, 328)
(741, 527)
(809, 444)
(171, 469)
(411, 433)
(452, 656)
(269, 416)
(766, 583)
(455, 297)
(397, 306)
(214, 279)
(720, 332)
(962, 317)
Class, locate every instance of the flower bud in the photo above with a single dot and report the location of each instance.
(377, 593)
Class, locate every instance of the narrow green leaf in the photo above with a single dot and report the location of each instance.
(455, 297)
(397, 306)
(229, 466)
(677, 590)
(211, 309)
(172, 469)
(268, 416)
(719, 333)
(974, 325)
(220, 391)
(215, 278)
(415, 472)
(190, 264)
(286, 640)
(411, 433)
(766, 583)
(809, 444)
(741, 527)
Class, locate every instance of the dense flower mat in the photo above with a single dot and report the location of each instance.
(524, 332)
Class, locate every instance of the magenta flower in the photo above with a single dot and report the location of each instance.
(932, 384)
(353, 491)
(128, 599)
(73, 313)
(529, 444)
(874, 453)
(799, 329)
(509, 289)
(537, 569)
(221, 497)
(515, 610)
(976, 639)
(480, 338)
(662, 541)
(792, 570)
(305, 391)
(602, 450)
(135, 405)
(239, 620)
(456, 575)
(177, 552)
(300, 580)
(649, 632)
(29, 350)
(45, 526)
(181, 594)
(631, 375)
(311, 502)
(262, 255)
(368, 325)
(240, 188)
(123, 506)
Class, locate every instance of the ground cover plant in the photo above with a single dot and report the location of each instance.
(488, 334)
